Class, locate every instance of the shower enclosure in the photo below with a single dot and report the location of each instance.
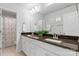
(7, 28)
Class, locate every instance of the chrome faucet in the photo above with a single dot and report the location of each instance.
(32, 33)
(78, 39)
(55, 36)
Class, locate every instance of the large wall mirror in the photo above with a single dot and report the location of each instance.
(64, 21)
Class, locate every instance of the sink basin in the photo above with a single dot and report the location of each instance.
(54, 41)
(29, 35)
(33, 36)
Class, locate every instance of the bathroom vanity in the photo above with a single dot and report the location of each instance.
(33, 45)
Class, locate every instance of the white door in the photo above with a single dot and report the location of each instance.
(9, 31)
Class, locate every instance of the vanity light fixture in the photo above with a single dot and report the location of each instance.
(32, 11)
(58, 19)
(48, 4)
(35, 9)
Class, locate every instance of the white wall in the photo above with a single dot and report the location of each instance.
(60, 12)
(9, 6)
(50, 18)
(30, 21)
(19, 28)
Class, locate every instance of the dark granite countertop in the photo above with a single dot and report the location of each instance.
(73, 40)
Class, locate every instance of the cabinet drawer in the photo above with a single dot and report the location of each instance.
(58, 50)
(77, 53)
(49, 54)
(54, 49)
(37, 51)
(23, 40)
(31, 49)
(26, 47)
(23, 37)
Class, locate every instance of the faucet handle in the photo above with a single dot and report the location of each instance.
(55, 36)
(78, 39)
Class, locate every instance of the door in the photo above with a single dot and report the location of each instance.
(9, 29)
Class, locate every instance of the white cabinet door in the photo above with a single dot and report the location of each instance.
(38, 51)
(33, 47)
(25, 45)
(77, 53)
(69, 23)
(43, 52)
(56, 50)
(30, 48)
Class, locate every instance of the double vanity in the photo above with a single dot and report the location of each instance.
(47, 45)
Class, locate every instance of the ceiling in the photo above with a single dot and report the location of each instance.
(10, 6)
(45, 10)
(54, 7)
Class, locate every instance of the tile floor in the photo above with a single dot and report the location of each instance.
(10, 51)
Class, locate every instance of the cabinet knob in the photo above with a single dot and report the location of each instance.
(78, 39)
